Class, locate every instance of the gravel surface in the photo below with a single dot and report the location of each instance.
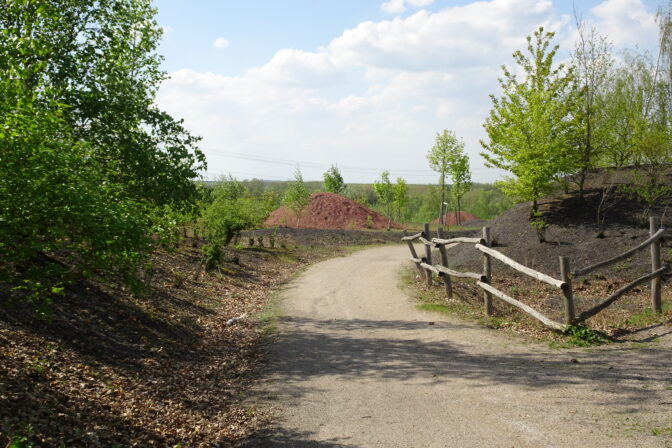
(356, 365)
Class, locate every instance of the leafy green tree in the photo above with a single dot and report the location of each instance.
(233, 210)
(460, 174)
(385, 192)
(529, 127)
(98, 58)
(297, 196)
(439, 160)
(400, 197)
(333, 181)
(91, 172)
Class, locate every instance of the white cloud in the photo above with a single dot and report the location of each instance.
(220, 42)
(420, 3)
(376, 95)
(625, 21)
(399, 6)
(393, 6)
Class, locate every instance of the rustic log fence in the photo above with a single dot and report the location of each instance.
(427, 268)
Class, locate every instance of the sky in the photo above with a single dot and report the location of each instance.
(272, 85)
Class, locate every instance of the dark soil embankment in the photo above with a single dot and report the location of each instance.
(572, 232)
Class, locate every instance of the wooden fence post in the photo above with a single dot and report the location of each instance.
(567, 290)
(414, 254)
(487, 272)
(428, 254)
(447, 281)
(656, 302)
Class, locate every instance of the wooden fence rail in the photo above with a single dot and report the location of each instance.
(564, 284)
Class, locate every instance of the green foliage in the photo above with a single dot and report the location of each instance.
(333, 181)
(400, 197)
(530, 125)
(232, 211)
(439, 158)
(212, 255)
(582, 336)
(91, 172)
(297, 196)
(385, 192)
(22, 438)
(538, 224)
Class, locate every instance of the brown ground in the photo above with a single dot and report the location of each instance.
(112, 369)
(356, 364)
(330, 211)
(450, 218)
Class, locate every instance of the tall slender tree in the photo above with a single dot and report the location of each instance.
(439, 157)
(385, 192)
(297, 196)
(592, 62)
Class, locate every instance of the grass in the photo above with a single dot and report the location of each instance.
(648, 317)
(468, 305)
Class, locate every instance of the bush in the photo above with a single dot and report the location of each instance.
(232, 211)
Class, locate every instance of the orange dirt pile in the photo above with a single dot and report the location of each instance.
(330, 211)
(451, 218)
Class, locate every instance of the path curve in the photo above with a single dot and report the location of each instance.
(356, 365)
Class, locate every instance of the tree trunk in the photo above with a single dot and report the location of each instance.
(459, 214)
(535, 209)
(442, 219)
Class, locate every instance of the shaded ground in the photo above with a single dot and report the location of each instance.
(330, 211)
(356, 365)
(159, 369)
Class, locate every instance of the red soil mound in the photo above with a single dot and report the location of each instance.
(330, 211)
(451, 218)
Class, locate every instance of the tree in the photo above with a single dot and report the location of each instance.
(333, 181)
(438, 157)
(529, 127)
(296, 196)
(400, 196)
(98, 58)
(385, 192)
(460, 175)
(592, 62)
(91, 172)
(234, 208)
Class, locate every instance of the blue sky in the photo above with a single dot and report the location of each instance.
(364, 84)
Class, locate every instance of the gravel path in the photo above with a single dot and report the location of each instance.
(356, 365)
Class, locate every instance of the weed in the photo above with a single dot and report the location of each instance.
(178, 279)
(212, 256)
(21, 438)
(38, 366)
(582, 336)
(662, 431)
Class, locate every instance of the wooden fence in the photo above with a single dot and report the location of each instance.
(484, 279)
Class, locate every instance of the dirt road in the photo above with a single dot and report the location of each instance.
(356, 365)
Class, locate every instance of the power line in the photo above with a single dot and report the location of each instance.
(276, 161)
